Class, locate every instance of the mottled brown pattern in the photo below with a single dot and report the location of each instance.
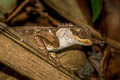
(81, 31)
(80, 34)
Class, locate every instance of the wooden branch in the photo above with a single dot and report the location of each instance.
(27, 63)
(17, 10)
(113, 43)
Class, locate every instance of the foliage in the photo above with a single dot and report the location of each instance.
(6, 6)
(96, 9)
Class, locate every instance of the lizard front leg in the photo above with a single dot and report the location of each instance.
(42, 44)
(39, 41)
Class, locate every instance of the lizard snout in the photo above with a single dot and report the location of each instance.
(86, 42)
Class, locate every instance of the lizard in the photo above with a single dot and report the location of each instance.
(65, 35)
(54, 39)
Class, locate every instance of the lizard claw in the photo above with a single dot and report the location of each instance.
(54, 58)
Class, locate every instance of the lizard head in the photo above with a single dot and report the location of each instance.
(75, 34)
(82, 34)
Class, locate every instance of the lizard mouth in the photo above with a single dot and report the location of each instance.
(84, 41)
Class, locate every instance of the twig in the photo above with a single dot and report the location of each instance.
(113, 43)
(40, 10)
(17, 10)
(109, 41)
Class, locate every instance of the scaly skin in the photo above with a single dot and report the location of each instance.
(64, 36)
(58, 38)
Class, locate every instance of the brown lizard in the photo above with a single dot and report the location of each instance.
(66, 35)
(54, 39)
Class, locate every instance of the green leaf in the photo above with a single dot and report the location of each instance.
(7, 6)
(96, 9)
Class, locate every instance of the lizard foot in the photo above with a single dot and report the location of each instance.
(54, 58)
